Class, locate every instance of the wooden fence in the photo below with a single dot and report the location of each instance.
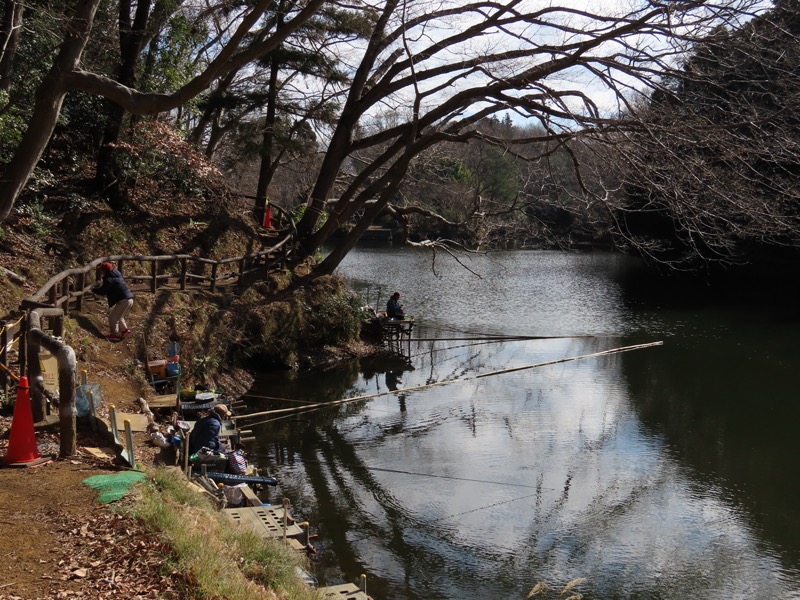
(67, 290)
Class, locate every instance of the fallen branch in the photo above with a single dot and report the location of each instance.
(13, 276)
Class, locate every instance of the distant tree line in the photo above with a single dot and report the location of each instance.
(664, 128)
(712, 173)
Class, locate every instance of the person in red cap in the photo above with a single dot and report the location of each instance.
(120, 299)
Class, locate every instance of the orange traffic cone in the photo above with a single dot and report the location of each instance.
(22, 442)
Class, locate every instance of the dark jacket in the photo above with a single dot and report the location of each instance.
(114, 287)
(394, 310)
(206, 433)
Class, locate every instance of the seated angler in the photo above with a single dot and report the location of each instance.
(205, 433)
(394, 310)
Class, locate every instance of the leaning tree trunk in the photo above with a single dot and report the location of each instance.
(49, 98)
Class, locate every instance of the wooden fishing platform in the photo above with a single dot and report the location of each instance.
(346, 591)
(138, 421)
(266, 521)
(396, 333)
(164, 401)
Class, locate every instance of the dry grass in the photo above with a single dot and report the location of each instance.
(220, 560)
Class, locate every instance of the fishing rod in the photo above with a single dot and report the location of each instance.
(320, 405)
(446, 348)
(480, 341)
(295, 400)
(331, 465)
(500, 338)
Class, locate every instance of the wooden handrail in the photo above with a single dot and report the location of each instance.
(73, 284)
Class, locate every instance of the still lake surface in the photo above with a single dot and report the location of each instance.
(667, 473)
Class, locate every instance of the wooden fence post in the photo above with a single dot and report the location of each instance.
(184, 267)
(3, 360)
(66, 405)
(129, 444)
(154, 276)
(66, 288)
(38, 402)
(22, 348)
(242, 267)
(81, 287)
(57, 326)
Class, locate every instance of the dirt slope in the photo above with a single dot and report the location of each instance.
(56, 539)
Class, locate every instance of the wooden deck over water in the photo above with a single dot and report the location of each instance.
(396, 334)
(346, 591)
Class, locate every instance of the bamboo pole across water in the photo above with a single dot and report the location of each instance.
(319, 405)
(500, 338)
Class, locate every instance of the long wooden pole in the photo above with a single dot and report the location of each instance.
(500, 338)
(446, 382)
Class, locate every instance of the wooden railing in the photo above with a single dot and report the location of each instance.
(12, 331)
(68, 289)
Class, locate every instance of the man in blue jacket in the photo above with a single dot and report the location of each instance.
(120, 299)
(205, 433)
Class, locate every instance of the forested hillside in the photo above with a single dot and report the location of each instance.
(713, 173)
(663, 129)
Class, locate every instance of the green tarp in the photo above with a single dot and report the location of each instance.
(113, 487)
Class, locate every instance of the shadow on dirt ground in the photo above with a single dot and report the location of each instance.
(56, 539)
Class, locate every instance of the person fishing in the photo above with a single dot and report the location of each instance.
(120, 299)
(394, 310)
(205, 433)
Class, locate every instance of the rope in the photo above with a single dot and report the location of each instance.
(489, 340)
(7, 325)
(320, 405)
(466, 512)
(539, 489)
(9, 372)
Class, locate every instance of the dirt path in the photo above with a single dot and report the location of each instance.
(56, 539)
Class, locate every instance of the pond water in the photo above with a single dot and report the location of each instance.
(667, 472)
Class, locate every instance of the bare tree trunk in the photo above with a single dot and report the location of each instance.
(328, 266)
(132, 37)
(266, 171)
(9, 39)
(393, 178)
(49, 99)
(214, 137)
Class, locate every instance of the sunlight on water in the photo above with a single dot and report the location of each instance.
(626, 470)
(511, 293)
